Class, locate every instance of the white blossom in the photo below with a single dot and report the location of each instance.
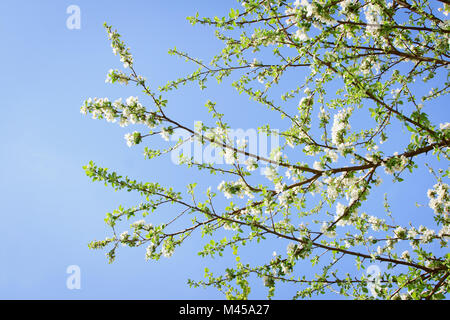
(405, 255)
(340, 126)
(165, 134)
(318, 165)
(340, 210)
(250, 164)
(131, 101)
(290, 248)
(124, 236)
(270, 173)
(131, 138)
(439, 198)
(329, 233)
(167, 252)
(149, 251)
(444, 126)
(229, 156)
(301, 35)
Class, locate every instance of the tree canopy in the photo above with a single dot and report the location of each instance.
(359, 73)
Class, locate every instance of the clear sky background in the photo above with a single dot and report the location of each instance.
(49, 209)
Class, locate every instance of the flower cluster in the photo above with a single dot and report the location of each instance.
(332, 155)
(238, 188)
(341, 126)
(270, 173)
(119, 47)
(213, 134)
(101, 108)
(149, 251)
(327, 230)
(251, 164)
(347, 5)
(168, 248)
(427, 234)
(166, 133)
(375, 223)
(229, 156)
(372, 13)
(301, 35)
(130, 112)
(344, 216)
(285, 198)
(116, 76)
(439, 198)
(133, 138)
(141, 225)
(323, 115)
(396, 163)
(276, 155)
(350, 183)
(368, 64)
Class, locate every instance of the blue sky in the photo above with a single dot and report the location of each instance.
(50, 210)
